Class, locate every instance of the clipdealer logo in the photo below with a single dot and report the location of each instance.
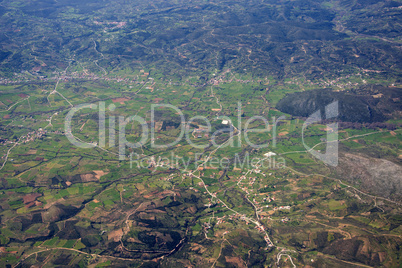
(330, 157)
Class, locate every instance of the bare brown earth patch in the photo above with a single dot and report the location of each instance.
(31, 198)
(95, 176)
(22, 95)
(236, 261)
(100, 173)
(88, 177)
(115, 235)
(120, 100)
